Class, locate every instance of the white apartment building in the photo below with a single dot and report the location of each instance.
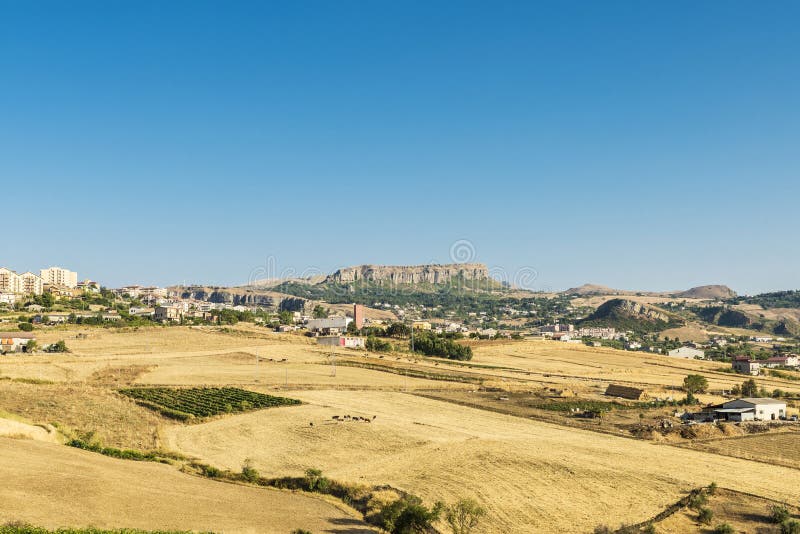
(56, 276)
(30, 284)
(9, 281)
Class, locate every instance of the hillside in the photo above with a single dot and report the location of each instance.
(709, 292)
(625, 314)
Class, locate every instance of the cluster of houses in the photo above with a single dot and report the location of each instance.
(568, 332)
(748, 366)
(57, 281)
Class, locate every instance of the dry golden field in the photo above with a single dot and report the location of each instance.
(532, 475)
(55, 486)
(779, 448)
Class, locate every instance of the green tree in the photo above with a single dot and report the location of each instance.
(319, 312)
(749, 388)
(724, 528)
(25, 327)
(286, 317)
(464, 516)
(695, 384)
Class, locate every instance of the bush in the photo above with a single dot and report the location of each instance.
(464, 516)
(790, 526)
(649, 529)
(697, 500)
(249, 473)
(301, 531)
(603, 529)
(25, 327)
(408, 516)
(712, 488)
(778, 513)
(378, 345)
(58, 346)
(724, 528)
(705, 515)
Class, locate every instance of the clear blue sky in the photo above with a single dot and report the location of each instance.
(651, 145)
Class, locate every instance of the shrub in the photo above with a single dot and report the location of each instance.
(315, 481)
(58, 346)
(724, 528)
(603, 529)
(649, 529)
(408, 516)
(712, 488)
(378, 345)
(300, 530)
(778, 513)
(705, 515)
(249, 473)
(464, 516)
(697, 500)
(790, 526)
(25, 327)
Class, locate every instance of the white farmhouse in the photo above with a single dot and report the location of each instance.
(687, 352)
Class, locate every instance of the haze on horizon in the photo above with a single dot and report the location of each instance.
(638, 146)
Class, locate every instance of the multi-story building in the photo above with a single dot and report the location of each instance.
(56, 276)
(30, 284)
(9, 281)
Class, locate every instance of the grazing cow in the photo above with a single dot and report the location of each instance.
(335, 417)
(373, 417)
(311, 423)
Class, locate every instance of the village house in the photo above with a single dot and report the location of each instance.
(342, 341)
(15, 341)
(746, 366)
(171, 313)
(689, 353)
(789, 360)
(329, 325)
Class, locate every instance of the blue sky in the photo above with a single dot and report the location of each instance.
(640, 145)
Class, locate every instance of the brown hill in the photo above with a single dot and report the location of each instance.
(710, 292)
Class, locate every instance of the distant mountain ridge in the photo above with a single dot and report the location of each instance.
(707, 292)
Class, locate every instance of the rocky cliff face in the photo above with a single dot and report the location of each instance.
(244, 297)
(417, 274)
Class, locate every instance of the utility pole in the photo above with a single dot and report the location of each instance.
(256, 377)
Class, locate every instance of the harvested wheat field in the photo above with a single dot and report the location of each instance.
(779, 449)
(521, 470)
(564, 363)
(55, 486)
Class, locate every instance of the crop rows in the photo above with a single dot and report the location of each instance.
(185, 403)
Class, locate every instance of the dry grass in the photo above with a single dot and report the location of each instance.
(745, 513)
(114, 420)
(532, 476)
(521, 470)
(56, 486)
(779, 449)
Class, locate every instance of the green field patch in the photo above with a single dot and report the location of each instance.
(188, 403)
